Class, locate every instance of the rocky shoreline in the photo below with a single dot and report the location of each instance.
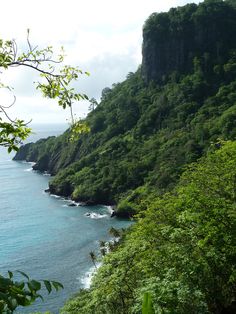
(113, 208)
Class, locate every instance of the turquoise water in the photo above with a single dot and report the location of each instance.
(43, 236)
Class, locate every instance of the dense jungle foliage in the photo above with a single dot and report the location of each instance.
(182, 250)
(162, 147)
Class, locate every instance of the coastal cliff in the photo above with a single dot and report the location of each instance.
(148, 128)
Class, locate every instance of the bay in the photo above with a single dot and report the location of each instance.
(43, 236)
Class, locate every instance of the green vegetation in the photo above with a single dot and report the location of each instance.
(182, 250)
(15, 293)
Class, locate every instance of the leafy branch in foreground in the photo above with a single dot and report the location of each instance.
(22, 293)
(56, 83)
(11, 134)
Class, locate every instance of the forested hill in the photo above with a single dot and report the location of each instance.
(148, 128)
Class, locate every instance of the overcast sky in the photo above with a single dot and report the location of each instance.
(103, 37)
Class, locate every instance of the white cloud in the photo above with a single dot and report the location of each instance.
(103, 37)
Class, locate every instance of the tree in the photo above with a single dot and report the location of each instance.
(55, 83)
(93, 258)
(93, 104)
(105, 92)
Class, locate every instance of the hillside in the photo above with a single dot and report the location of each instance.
(182, 250)
(147, 128)
(162, 144)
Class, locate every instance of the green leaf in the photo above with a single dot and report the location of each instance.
(3, 296)
(57, 285)
(19, 284)
(23, 300)
(5, 282)
(10, 274)
(2, 305)
(34, 285)
(48, 286)
(23, 274)
(12, 304)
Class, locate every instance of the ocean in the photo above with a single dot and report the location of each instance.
(41, 235)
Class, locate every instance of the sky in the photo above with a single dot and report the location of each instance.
(102, 37)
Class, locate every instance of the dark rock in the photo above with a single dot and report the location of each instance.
(47, 190)
(113, 214)
(122, 214)
(42, 164)
(81, 204)
(65, 189)
(72, 205)
(90, 203)
(87, 203)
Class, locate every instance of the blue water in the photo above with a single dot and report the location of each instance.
(41, 235)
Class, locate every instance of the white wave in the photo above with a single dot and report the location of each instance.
(32, 163)
(110, 209)
(28, 169)
(86, 280)
(54, 195)
(95, 215)
(46, 174)
(69, 203)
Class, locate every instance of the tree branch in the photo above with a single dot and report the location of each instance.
(3, 109)
(17, 63)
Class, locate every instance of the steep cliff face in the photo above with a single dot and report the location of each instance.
(172, 40)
